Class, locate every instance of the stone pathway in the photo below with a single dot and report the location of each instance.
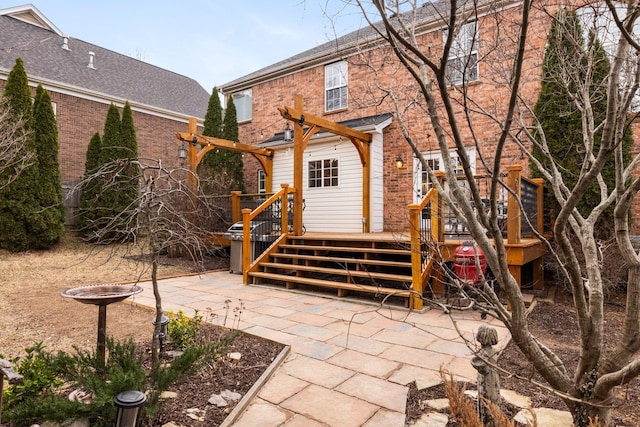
(350, 362)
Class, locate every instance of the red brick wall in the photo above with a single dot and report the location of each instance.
(365, 100)
(78, 119)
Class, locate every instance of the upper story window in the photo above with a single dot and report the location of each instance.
(323, 173)
(242, 101)
(463, 56)
(335, 86)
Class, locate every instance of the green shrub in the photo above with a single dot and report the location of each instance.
(183, 330)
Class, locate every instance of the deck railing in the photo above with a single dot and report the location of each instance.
(431, 222)
(273, 213)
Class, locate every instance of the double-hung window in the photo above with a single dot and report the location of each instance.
(323, 173)
(463, 57)
(335, 86)
(242, 102)
(262, 182)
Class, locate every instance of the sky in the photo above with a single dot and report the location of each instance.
(211, 41)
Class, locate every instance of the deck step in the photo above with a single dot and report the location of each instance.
(355, 249)
(339, 271)
(283, 278)
(344, 260)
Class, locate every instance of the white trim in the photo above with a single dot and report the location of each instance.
(103, 98)
(38, 18)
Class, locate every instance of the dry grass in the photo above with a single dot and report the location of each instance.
(32, 310)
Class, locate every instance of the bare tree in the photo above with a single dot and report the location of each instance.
(426, 69)
(14, 155)
(168, 215)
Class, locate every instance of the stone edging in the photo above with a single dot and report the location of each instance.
(253, 391)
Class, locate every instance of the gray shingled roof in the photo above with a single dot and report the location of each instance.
(429, 14)
(357, 123)
(115, 76)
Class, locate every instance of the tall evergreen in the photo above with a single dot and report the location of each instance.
(19, 205)
(91, 187)
(50, 194)
(560, 118)
(130, 188)
(212, 160)
(233, 159)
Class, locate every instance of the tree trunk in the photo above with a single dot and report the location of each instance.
(155, 342)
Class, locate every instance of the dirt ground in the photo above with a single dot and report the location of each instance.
(32, 310)
(553, 323)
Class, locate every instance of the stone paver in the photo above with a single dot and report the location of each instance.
(316, 372)
(262, 414)
(385, 418)
(281, 387)
(330, 407)
(364, 363)
(350, 363)
(377, 391)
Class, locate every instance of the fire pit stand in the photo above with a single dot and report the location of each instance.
(102, 296)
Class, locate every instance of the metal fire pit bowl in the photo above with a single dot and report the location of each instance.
(101, 294)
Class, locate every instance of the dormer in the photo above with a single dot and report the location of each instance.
(30, 14)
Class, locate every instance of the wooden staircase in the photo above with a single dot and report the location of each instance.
(377, 267)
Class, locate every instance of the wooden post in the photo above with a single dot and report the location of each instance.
(284, 202)
(437, 211)
(193, 154)
(514, 220)
(246, 245)
(236, 215)
(415, 301)
(298, 151)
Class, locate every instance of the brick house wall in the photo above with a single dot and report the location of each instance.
(378, 65)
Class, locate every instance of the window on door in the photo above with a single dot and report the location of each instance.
(262, 182)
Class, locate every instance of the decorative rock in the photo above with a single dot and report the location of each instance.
(546, 417)
(171, 424)
(174, 353)
(168, 395)
(515, 399)
(217, 400)
(432, 419)
(195, 414)
(230, 395)
(234, 356)
(421, 384)
(437, 404)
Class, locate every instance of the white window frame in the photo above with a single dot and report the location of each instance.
(243, 101)
(326, 178)
(336, 81)
(421, 179)
(462, 64)
(262, 182)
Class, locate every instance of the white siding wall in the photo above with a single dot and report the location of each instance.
(335, 209)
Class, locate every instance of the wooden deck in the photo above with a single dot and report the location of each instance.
(524, 256)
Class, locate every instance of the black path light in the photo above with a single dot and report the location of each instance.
(164, 328)
(129, 405)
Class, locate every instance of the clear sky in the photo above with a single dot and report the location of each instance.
(211, 41)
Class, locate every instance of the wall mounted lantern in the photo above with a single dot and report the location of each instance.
(400, 163)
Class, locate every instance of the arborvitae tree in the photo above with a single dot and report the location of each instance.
(233, 159)
(19, 205)
(112, 147)
(213, 160)
(213, 118)
(561, 119)
(87, 212)
(130, 188)
(50, 194)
